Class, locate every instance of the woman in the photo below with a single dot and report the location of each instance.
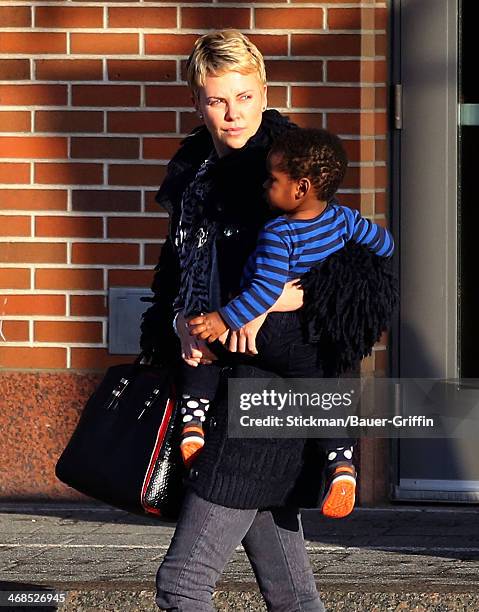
(215, 231)
(239, 490)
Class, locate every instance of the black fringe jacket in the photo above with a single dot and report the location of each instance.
(348, 301)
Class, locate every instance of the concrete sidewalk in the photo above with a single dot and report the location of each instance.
(376, 560)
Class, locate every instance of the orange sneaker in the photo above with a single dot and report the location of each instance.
(192, 443)
(340, 496)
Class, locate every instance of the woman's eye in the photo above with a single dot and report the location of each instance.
(246, 97)
(214, 102)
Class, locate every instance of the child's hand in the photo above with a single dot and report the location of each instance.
(208, 327)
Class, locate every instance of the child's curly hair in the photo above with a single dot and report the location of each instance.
(315, 154)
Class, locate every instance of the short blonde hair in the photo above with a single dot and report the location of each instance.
(220, 52)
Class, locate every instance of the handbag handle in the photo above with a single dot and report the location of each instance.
(118, 390)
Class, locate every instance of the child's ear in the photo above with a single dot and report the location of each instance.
(302, 188)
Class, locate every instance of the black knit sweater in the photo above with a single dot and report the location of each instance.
(348, 301)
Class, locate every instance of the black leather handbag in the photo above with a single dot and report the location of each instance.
(125, 450)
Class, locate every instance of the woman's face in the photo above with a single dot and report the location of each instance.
(232, 106)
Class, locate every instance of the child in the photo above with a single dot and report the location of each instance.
(306, 167)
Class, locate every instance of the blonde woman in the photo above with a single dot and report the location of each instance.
(238, 490)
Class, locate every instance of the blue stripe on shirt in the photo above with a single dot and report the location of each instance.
(287, 248)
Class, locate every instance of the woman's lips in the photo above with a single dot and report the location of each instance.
(234, 131)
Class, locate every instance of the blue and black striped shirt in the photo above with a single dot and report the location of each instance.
(287, 248)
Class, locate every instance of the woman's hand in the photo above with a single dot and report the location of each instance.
(193, 351)
(244, 340)
(291, 298)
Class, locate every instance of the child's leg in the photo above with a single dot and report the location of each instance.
(198, 386)
(340, 492)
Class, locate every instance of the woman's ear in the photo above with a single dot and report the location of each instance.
(265, 97)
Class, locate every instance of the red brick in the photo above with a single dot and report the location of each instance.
(34, 147)
(160, 148)
(142, 17)
(270, 44)
(15, 16)
(105, 253)
(33, 42)
(11, 173)
(106, 95)
(138, 122)
(104, 44)
(289, 18)
(25, 357)
(69, 70)
(152, 254)
(326, 44)
(84, 227)
(332, 97)
(105, 148)
(33, 199)
(215, 18)
(15, 331)
(169, 44)
(14, 278)
(168, 95)
(380, 97)
(14, 69)
(68, 17)
(188, 121)
(68, 331)
(37, 304)
(368, 177)
(355, 200)
(15, 226)
(380, 150)
(366, 124)
(365, 71)
(139, 227)
(69, 278)
(38, 95)
(106, 200)
(33, 252)
(309, 120)
(150, 203)
(88, 306)
(357, 19)
(380, 204)
(135, 174)
(130, 278)
(141, 70)
(96, 358)
(294, 70)
(69, 121)
(15, 121)
(277, 96)
(360, 150)
(68, 174)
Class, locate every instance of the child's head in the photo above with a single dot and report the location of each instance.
(313, 157)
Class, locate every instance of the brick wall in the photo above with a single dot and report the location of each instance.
(93, 104)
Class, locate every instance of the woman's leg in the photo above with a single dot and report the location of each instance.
(276, 549)
(205, 538)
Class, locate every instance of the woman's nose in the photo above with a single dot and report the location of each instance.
(232, 112)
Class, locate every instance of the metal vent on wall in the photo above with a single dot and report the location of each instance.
(124, 319)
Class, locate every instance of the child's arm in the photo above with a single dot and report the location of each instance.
(270, 267)
(363, 231)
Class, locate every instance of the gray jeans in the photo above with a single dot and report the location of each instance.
(205, 539)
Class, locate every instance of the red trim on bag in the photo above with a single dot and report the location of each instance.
(154, 455)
